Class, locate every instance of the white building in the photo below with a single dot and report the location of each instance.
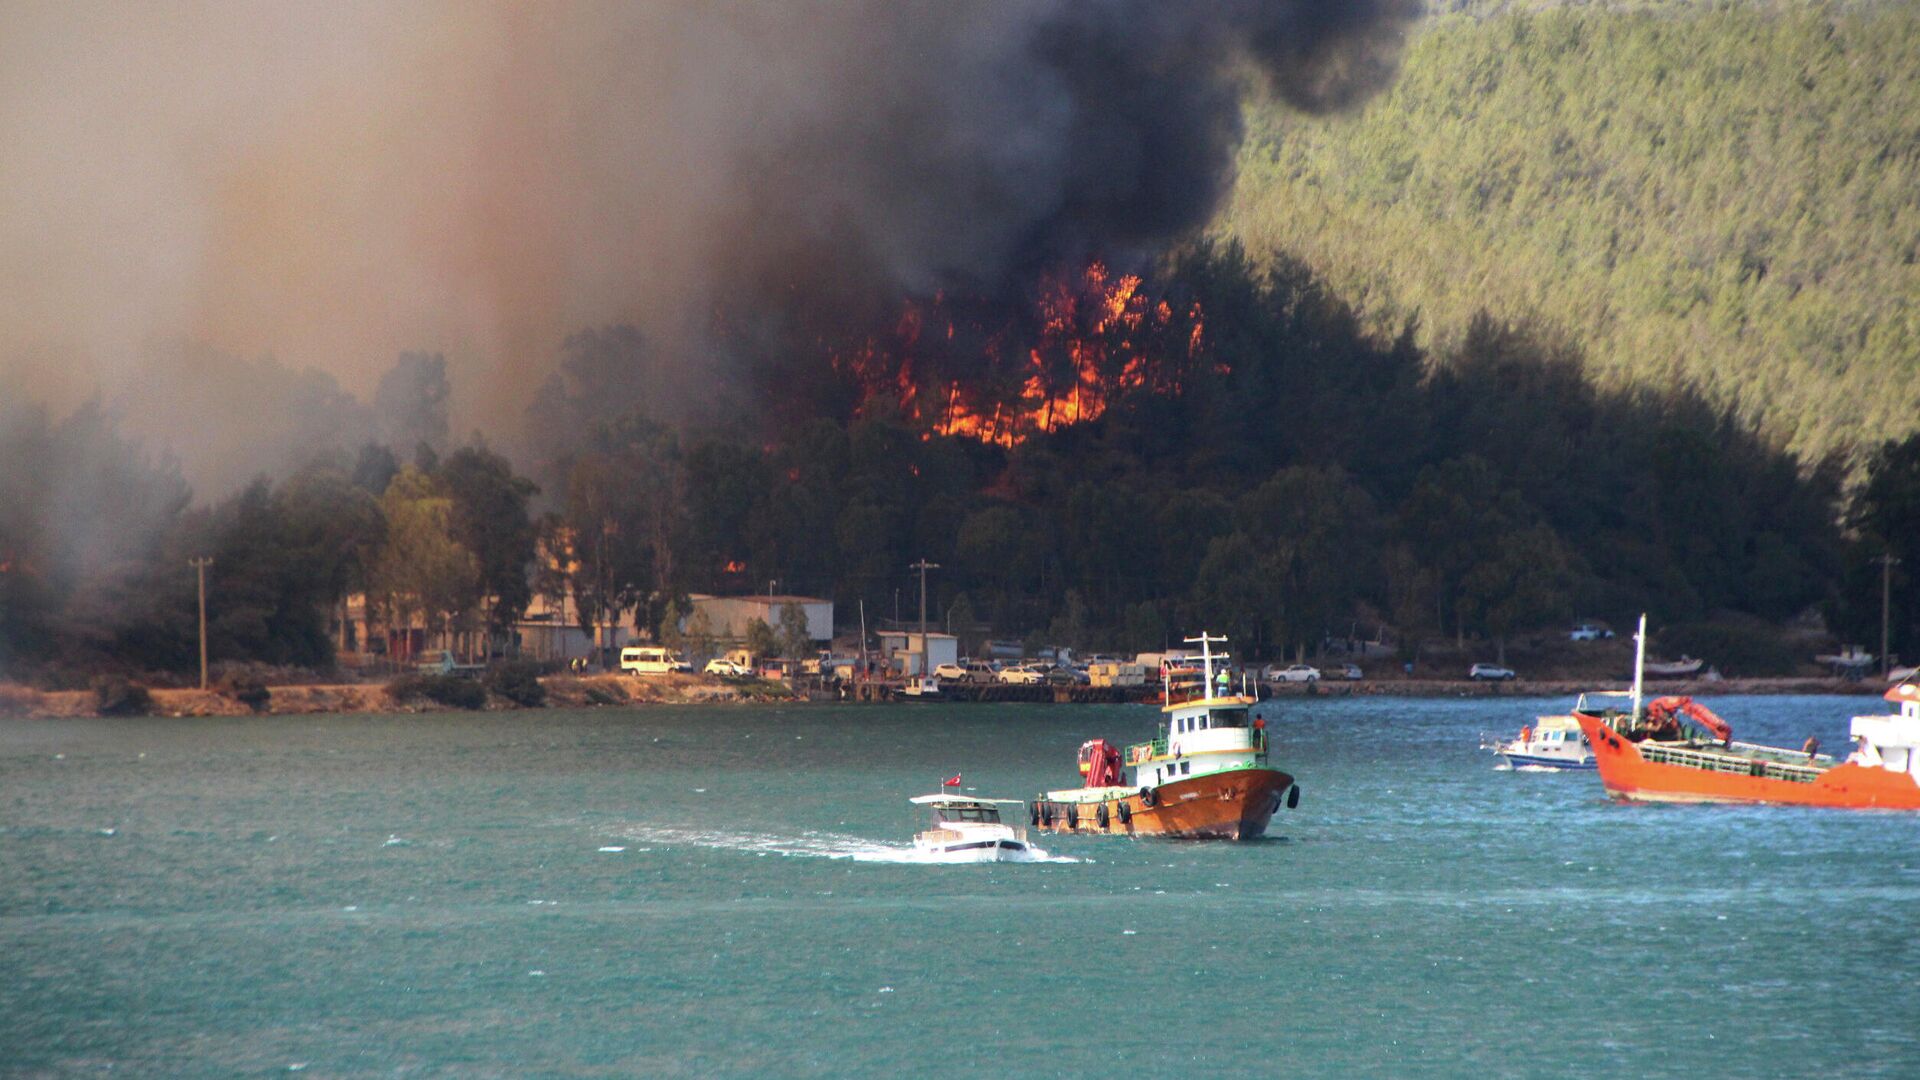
(729, 616)
(551, 631)
(907, 654)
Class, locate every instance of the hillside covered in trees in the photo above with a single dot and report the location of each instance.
(1720, 195)
(1300, 479)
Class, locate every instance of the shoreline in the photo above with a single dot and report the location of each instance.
(623, 691)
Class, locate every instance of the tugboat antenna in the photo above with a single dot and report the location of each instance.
(1639, 663)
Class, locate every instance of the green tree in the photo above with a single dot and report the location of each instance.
(489, 517)
(794, 641)
(421, 568)
(762, 642)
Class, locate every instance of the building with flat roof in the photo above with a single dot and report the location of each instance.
(909, 655)
(729, 616)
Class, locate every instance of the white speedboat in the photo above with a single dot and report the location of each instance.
(1550, 742)
(966, 829)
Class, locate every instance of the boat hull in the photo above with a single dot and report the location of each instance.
(1533, 761)
(1234, 804)
(982, 851)
(1627, 774)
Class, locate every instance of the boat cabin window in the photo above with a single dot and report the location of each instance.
(1229, 718)
(987, 814)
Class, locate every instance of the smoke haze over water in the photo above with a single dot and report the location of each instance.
(332, 184)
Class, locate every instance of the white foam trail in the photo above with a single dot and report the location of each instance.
(810, 844)
(1534, 768)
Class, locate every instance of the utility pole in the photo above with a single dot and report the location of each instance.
(200, 566)
(926, 669)
(1887, 563)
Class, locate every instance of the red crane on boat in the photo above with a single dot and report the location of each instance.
(1661, 713)
(1100, 763)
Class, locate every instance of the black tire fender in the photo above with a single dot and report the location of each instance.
(1126, 812)
(1293, 797)
(1101, 815)
(1147, 797)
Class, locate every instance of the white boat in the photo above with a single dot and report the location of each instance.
(966, 829)
(1550, 742)
(1668, 669)
(922, 688)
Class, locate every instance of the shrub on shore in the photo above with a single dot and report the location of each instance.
(519, 682)
(448, 690)
(248, 691)
(113, 695)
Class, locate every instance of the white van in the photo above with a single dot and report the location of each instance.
(650, 660)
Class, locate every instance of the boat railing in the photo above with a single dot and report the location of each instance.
(1146, 751)
(1732, 763)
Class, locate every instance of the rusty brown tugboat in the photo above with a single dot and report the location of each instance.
(1205, 777)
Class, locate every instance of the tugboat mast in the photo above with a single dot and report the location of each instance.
(1205, 641)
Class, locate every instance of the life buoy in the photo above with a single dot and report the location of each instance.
(1293, 796)
(1101, 816)
(1146, 797)
(1126, 812)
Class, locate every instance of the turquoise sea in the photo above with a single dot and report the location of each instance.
(729, 891)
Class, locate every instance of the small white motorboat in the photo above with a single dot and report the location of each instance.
(1550, 742)
(966, 829)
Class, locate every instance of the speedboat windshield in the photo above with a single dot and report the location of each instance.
(988, 814)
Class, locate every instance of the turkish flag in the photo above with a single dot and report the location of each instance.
(952, 781)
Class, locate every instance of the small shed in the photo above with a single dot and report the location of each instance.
(908, 654)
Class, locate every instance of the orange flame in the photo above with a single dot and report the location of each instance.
(1095, 336)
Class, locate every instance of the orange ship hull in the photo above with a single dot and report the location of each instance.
(1627, 774)
(1231, 805)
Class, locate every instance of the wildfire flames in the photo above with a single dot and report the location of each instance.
(1001, 378)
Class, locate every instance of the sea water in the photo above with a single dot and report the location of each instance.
(732, 891)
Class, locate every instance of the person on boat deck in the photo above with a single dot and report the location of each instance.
(1812, 747)
(1859, 755)
(1526, 733)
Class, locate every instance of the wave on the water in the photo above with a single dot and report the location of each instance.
(807, 844)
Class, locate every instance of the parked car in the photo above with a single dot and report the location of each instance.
(1491, 673)
(1588, 632)
(954, 672)
(1067, 675)
(726, 669)
(980, 671)
(1291, 673)
(1022, 675)
(1351, 671)
(649, 660)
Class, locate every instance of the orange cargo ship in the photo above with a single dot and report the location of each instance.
(1677, 750)
(1205, 777)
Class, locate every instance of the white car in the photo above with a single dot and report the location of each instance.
(1293, 673)
(1491, 673)
(951, 672)
(1588, 632)
(1022, 675)
(726, 669)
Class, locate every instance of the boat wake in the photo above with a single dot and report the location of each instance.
(805, 845)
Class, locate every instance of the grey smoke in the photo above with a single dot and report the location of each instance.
(331, 185)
